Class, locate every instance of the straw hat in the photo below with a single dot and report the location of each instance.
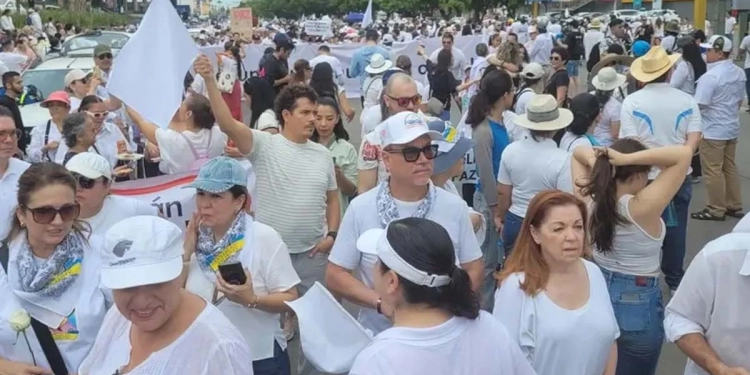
(542, 114)
(608, 79)
(595, 24)
(672, 26)
(653, 64)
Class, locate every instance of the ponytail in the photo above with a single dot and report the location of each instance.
(460, 298)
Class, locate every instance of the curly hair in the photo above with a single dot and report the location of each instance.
(287, 99)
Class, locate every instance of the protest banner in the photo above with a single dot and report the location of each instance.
(318, 27)
(345, 53)
(241, 21)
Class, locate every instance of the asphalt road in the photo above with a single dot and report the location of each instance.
(672, 361)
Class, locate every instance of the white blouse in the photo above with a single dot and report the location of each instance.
(552, 337)
(76, 334)
(38, 134)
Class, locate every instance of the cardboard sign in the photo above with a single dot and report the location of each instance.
(321, 28)
(242, 21)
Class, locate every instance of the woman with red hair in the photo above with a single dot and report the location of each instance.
(555, 303)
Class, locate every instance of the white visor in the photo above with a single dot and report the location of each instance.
(374, 241)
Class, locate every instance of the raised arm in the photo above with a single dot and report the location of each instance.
(238, 132)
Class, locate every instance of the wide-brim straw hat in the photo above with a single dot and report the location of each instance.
(623, 60)
(608, 79)
(543, 114)
(653, 64)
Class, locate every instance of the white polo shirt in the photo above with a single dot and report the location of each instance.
(657, 122)
(710, 301)
(117, 208)
(719, 93)
(448, 210)
(9, 193)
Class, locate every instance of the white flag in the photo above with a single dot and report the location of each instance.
(367, 19)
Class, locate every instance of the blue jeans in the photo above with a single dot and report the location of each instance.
(639, 311)
(277, 365)
(490, 253)
(511, 229)
(675, 217)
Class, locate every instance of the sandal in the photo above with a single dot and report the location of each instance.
(705, 215)
(737, 214)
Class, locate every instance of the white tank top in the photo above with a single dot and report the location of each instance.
(634, 252)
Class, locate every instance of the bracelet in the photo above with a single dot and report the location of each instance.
(378, 306)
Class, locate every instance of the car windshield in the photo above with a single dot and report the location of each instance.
(84, 41)
(629, 12)
(46, 81)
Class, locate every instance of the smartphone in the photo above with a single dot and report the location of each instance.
(233, 273)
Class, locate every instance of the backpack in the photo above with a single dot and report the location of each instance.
(518, 94)
(200, 160)
(594, 57)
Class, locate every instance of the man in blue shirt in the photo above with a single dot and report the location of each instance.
(361, 58)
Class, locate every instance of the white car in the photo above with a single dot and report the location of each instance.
(627, 15)
(665, 14)
(49, 77)
(83, 44)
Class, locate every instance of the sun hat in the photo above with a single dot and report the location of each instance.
(672, 26)
(718, 42)
(375, 242)
(378, 64)
(640, 48)
(653, 64)
(90, 165)
(219, 175)
(595, 24)
(543, 114)
(608, 79)
(435, 107)
(141, 250)
(101, 49)
(404, 127)
(57, 96)
(532, 71)
(75, 75)
(609, 60)
(450, 150)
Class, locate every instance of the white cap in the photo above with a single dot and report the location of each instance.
(404, 127)
(718, 42)
(532, 71)
(90, 165)
(375, 242)
(153, 256)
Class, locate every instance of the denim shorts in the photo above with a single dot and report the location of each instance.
(572, 68)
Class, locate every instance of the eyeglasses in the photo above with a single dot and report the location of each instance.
(105, 56)
(85, 182)
(13, 134)
(98, 114)
(411, 154)
(47, 214)
(404, 102)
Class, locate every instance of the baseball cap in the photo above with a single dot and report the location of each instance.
(75, 75)
(532, 71)
(718, 42)
(101, 49)
(219, 175)
(404, 127)
(154, 256)
(90, 165)
(375, 242)
(450, 150)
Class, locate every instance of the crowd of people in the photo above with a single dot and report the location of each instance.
(581, 205)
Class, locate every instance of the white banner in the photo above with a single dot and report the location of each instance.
(320, 28)
(253, 53)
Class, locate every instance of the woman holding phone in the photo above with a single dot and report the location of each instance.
(224, 246)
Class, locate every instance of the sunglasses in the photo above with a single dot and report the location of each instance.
(98, 114)
(105, 56)
(404, 102)
(84, 80)
(411, 154)
(47, 214)
(85, 182)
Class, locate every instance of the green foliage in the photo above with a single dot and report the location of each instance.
(81, 19)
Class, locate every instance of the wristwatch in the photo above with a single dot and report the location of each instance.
(332, 234)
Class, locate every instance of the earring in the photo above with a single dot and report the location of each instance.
(23, 225)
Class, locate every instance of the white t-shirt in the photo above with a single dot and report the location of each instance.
(293, 181)
(530, 167)
(15, 62)
(76, 333)
(267, 120)
(211, 345)
(372, 86)
(338, 71)
(570, 141)
(34, 150)
(448, 210)
(459, 346)
(176, 154)
(105, 145)
(267, 258)
(370, 118)
(550, 336)
(9, 193)
(745, 47)
(610, 113)
(117, 208)
(729, 23)
(522, 101)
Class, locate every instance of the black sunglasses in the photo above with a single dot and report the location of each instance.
(47, 214)
(105, 56)
(85, 182)
(411, 154)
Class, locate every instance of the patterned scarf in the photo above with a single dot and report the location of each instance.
(388, 210)
(53, 276)
(211, 255)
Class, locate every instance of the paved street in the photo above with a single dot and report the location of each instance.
(672, 361)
